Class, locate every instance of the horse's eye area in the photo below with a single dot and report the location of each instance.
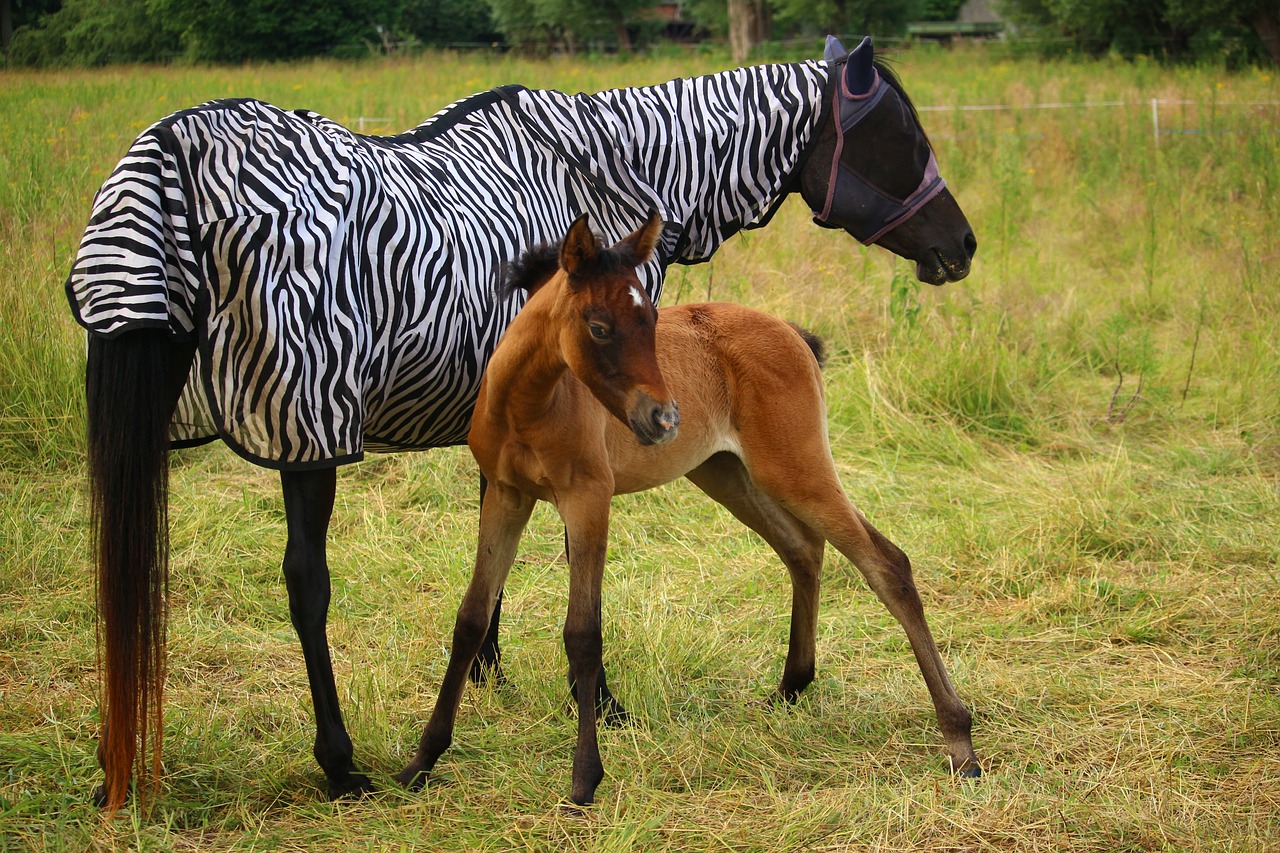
(600, 332)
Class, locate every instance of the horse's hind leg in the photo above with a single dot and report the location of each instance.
(724, 478)
(817, 497)
(308, 504)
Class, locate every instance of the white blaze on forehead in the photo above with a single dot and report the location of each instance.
(637, 296)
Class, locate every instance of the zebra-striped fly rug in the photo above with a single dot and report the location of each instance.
(342, 288)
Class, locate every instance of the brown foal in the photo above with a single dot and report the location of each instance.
(574, 409)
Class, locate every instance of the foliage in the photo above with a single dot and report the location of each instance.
(236, 30)
(814, 17)
(941, 10)
(95, 32)
(447, 22)
(1221, 29)
(570, 25)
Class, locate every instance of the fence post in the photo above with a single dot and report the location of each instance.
(1155, 120)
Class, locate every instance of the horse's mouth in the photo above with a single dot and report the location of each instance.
(936, 270)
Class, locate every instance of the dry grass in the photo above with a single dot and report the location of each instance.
(1104, 587)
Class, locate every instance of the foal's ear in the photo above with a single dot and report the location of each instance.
(859, 73)
(579, 249)
(643, 239)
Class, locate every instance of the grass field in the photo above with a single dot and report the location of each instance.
(1079, 446)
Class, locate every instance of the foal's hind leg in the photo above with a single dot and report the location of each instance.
(488, 663)
(888, 571)
(724, 478)
(816, 497)
(308, 504)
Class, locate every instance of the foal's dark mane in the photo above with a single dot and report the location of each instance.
(530, 271)
(536, 267)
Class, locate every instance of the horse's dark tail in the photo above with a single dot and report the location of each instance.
(130, 395)
(815, 343)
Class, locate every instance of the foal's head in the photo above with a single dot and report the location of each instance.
(607, 323)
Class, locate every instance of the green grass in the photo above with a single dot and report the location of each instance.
(1101, 569)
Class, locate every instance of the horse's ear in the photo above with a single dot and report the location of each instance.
(859, 73)
(643, 239)
(834, 50)
(579, 247)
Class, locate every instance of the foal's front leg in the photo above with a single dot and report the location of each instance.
(503, 516)
(587, 527)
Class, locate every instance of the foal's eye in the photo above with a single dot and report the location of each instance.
(600, 332)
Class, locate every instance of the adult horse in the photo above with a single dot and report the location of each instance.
(304, 293)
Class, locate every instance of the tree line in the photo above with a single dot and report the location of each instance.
(96, 32)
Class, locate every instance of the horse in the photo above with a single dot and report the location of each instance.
(305, 294)
(579, 403)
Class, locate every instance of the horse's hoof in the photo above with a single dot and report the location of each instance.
(355, 787)
(969, 770)
(572, 805)
(613, 715)
(411, 778)
(483, 672)
(100, 796)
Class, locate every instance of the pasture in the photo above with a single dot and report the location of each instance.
(1078, 446)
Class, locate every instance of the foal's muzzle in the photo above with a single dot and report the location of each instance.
(654, 422)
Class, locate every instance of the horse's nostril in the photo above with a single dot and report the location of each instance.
(970, 244)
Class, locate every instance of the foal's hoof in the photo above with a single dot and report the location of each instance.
(968, 770)
(356, 786)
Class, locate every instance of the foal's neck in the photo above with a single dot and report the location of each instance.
(528, 364)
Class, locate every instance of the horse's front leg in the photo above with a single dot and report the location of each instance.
(587, 527)
(308, 504)
(503, 516)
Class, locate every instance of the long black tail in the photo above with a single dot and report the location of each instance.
(130, 393)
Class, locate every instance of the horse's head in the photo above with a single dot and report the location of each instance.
(609, 340)
(872, 172)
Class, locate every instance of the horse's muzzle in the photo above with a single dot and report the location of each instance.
(939, 267)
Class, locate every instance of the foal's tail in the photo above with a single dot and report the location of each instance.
(130, 400)
(815, 343)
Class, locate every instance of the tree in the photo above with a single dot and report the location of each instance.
(748, 26)
(1222, 16)
(236, 30)
(443, 22)
(570, 25)
(94, 32)
(1236, 30)
(867, 17)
